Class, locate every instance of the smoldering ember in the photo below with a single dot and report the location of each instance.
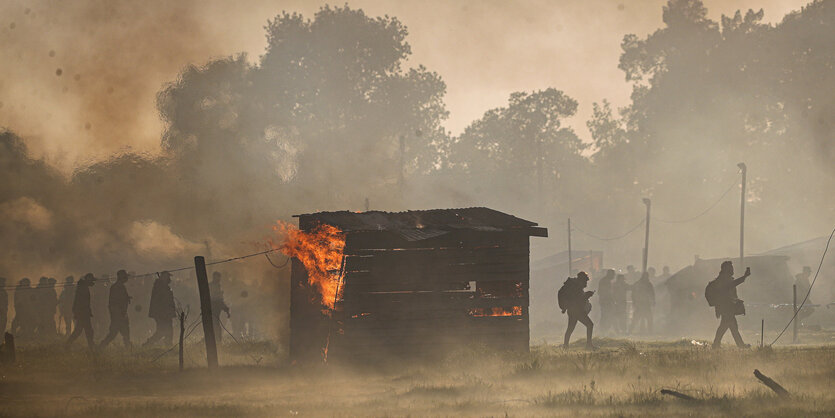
(435, 208)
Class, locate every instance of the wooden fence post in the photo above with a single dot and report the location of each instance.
(206, 311)
(182, 331)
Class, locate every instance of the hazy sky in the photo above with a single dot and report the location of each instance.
(78, 79)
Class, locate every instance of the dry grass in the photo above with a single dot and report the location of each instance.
(621, 379)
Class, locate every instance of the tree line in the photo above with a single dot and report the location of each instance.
(331, 117)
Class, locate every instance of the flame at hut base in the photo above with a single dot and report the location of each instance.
(496, 311)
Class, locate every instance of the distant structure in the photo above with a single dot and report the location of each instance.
(416, 282)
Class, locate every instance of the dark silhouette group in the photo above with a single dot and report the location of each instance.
(613, 290)
(37, 308)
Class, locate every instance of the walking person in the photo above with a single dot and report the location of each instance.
(65, 305)
(721, 294)
(118, 307)
(82, 311)
(49, 304)
(162, 310)
(218, 305)
(23, 324)
(41, 307)
(574, 301)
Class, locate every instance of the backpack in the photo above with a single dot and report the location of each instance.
(712, 293)
(563, 296)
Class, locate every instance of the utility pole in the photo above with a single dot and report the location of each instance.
(569, 248)
(401, 179)
(742, 216)
(591, 261)
(646, 235)
(206, 311)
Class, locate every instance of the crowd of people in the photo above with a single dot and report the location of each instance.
(85, 307)
(614, 291)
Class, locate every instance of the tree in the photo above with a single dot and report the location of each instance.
(323, 114)
(523, 149)
(708, 95)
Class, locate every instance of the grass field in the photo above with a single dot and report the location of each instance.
(622, 378)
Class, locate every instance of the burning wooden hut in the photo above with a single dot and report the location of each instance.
(380, 283)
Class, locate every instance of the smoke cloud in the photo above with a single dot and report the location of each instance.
(140, 134)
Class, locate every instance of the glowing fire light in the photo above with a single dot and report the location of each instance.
(497, 311)
(320, 251)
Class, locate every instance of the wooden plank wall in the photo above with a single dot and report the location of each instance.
(309, 327)
(431, 295)
(423, 297)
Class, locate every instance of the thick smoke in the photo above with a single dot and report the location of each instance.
(335, 114)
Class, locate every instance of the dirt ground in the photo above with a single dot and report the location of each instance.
(622, 378)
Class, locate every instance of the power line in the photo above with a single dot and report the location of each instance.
(274, 265)
(239, 258)
(155, 273)
(808, 292)
(704, 212)
(693, 218)
(624, 235)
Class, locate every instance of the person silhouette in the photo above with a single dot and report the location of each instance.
(721, 293)
(574, 301)
(162, 309)
(118, 306)
(82, 311)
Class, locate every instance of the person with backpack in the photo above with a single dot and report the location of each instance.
(573, 300)
(721, 294)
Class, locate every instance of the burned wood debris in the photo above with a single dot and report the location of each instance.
(416, 282)
(677, 394)
(774, 386)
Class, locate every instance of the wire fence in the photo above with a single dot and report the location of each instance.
(808, 292)
(155, 273)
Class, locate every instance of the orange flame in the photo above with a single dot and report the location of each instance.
(320, 251)
(496, 311)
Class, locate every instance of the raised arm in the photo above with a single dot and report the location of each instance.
(740, 280)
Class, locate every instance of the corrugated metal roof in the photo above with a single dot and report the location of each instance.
(416, 225)
(414, 234)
